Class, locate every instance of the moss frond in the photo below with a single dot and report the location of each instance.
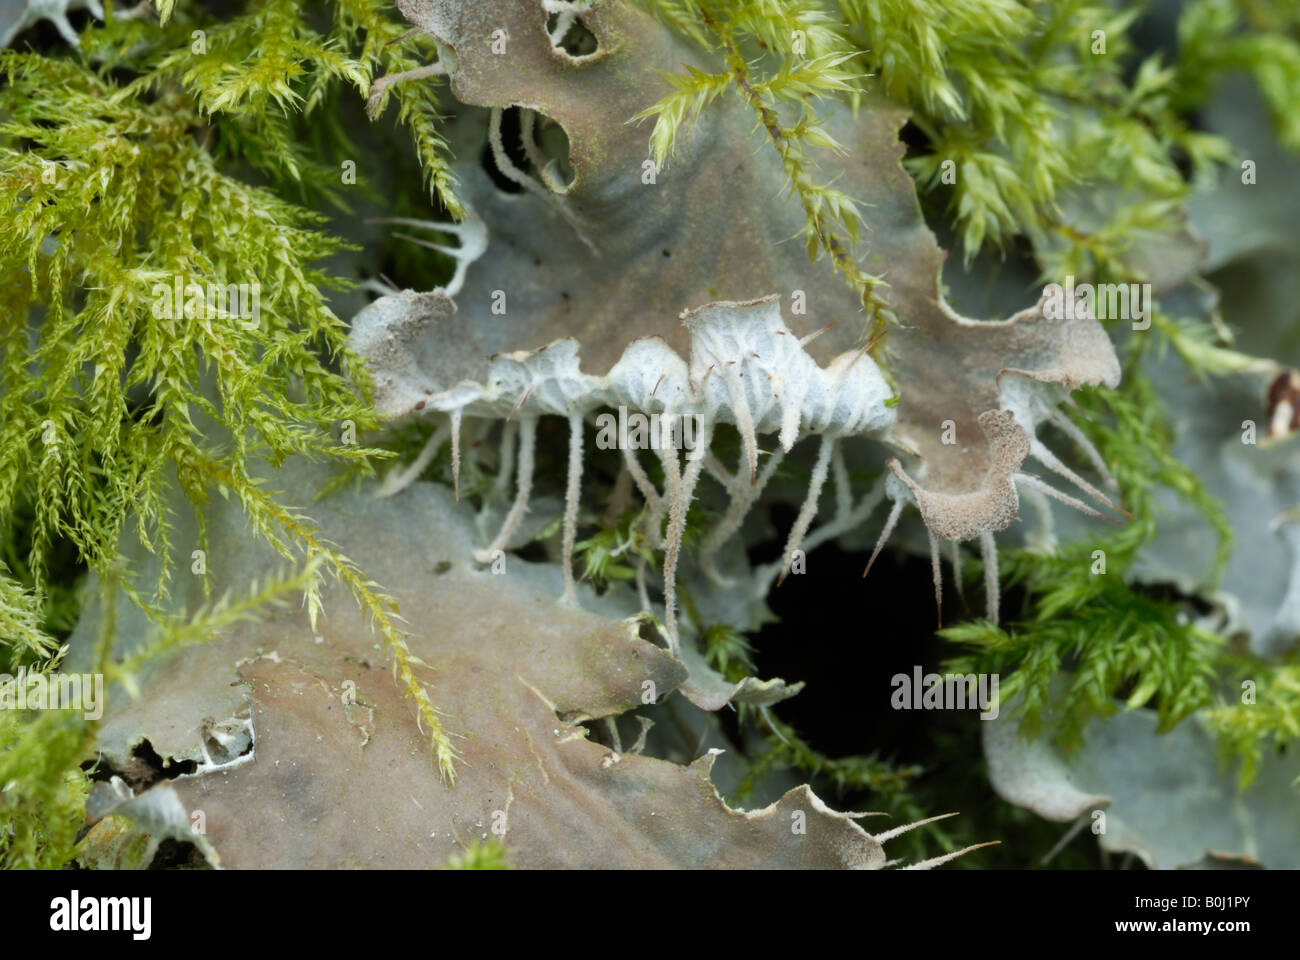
(20, 624)
(110, 382)
(1261, 39)
(395, 49)
(1263, 722)
(275, 521)
(480, 855)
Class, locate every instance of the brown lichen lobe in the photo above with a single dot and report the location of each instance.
(722, 211)
(992, 506)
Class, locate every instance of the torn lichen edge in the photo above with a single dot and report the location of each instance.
(158, 812)
(860, 849)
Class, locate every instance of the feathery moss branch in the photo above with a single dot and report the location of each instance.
(270, 516)
(111, 207)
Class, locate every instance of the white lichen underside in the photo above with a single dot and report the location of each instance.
(745, 368)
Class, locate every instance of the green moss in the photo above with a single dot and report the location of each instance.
(480, 855)
(110, 193)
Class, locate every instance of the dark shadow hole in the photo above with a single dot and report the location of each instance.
(142, 769)
(577, 41)
(176, 855)
(551, 153)
(914, 139)
(514, 151)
